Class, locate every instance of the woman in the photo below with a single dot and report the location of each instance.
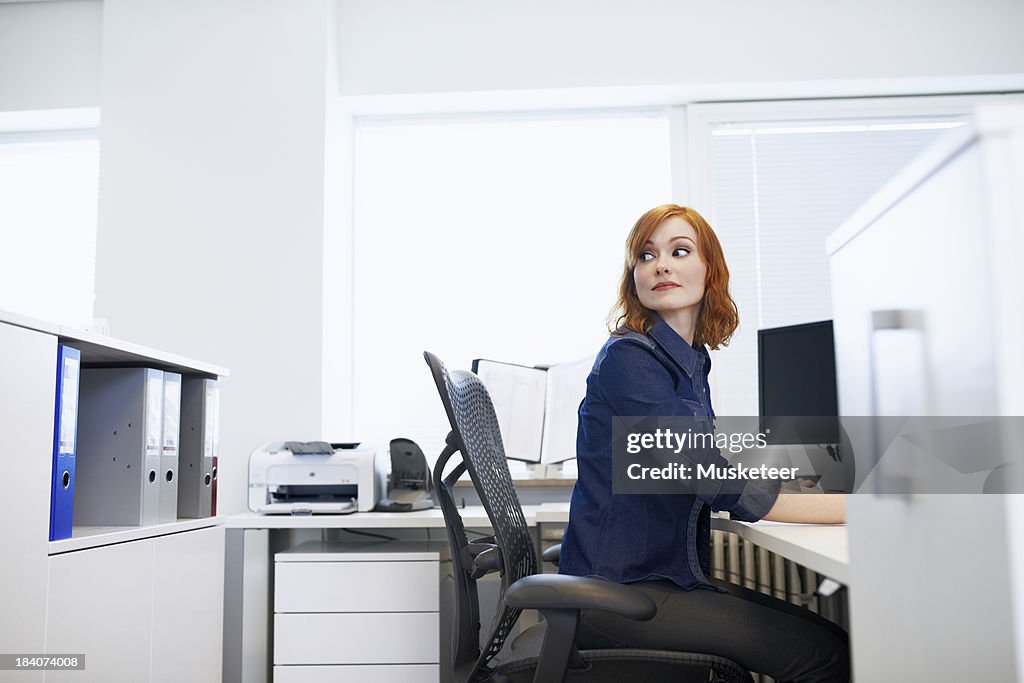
(673, 304)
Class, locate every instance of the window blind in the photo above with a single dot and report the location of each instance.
(778, 190)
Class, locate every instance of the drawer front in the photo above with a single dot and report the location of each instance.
(395, 638)
(401, 673)
(356, 586)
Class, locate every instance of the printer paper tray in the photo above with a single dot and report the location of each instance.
(309, 508)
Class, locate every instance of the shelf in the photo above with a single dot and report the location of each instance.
(19, 320)
(85, 537)
(100, 350)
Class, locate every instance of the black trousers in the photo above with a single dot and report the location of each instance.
(759, 632)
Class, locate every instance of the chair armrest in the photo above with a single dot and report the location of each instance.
(559, 591)
(552, 554)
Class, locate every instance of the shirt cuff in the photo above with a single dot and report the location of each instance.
(755, 500)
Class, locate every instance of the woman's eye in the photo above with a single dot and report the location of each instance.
(645, 256)
(680, 251)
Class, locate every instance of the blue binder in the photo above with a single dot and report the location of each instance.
(65, 427)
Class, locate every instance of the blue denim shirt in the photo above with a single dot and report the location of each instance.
(636, 537)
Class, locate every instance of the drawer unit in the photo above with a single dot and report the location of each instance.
(357, 611)
(346, 586)
(408, 673)
(356, 638)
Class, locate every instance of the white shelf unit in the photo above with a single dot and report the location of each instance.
(142, 603)
(357, 611)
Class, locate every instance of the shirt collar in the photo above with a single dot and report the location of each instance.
(691, 360)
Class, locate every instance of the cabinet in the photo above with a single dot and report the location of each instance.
(927, 290)
(142, 603)
(357, 611)
(28, 362)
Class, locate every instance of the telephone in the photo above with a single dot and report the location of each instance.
(409, 485)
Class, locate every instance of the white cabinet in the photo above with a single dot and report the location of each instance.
(188, 606)
(28, 362)
(366, 612)
(141, 603)
(927, 290)
(144, 610)
(101, 604)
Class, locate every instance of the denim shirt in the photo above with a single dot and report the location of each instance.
(655, 536)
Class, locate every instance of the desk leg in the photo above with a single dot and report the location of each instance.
(234, 574)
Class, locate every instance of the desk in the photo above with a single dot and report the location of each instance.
(822, 548)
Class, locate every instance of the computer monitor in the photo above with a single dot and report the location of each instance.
(798, 403)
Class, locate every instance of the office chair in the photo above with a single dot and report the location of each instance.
(546, 652)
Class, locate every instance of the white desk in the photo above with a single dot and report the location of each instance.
(423, 519)
(825, 548)
(822, 548)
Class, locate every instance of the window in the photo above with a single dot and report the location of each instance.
(776, 180)
(488, 237)
(48, 205)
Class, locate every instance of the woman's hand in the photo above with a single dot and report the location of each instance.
(828, 508)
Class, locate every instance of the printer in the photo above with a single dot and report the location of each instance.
(302, 478)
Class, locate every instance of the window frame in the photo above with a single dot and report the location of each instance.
(702, 118)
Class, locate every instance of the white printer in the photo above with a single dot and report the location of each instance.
(302, 478)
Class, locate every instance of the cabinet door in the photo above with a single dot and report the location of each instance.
(188, 602)
(28, 371)
(101, 604)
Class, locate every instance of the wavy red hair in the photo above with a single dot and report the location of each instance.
(718, 317)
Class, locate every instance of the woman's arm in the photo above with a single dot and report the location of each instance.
(829, 508)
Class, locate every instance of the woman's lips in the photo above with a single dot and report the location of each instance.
(665, 285)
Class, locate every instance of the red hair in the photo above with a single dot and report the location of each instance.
(718, 317)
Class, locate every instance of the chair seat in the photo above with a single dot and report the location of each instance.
(517, 662)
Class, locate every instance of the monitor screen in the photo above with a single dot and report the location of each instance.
(797, 382)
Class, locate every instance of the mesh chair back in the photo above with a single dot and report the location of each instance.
(478, 438)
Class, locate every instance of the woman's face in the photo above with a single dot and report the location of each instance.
(669, 273)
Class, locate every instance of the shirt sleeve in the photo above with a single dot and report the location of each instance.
(634, 382)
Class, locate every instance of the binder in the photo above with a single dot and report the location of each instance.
(213, 489)
(537, 406)
(65, 424)
(119, 447)
(199, 443)
(169, 448)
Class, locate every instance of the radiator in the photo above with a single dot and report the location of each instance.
(751, 566)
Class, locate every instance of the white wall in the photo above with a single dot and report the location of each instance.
(211, 203)
(213, 138)
(410, 46)
(50, 54)
(50, 51)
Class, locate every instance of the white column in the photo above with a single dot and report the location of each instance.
(211, 203)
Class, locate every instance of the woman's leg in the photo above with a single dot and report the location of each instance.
(761, 633)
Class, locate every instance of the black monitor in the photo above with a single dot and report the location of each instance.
(798, 403)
